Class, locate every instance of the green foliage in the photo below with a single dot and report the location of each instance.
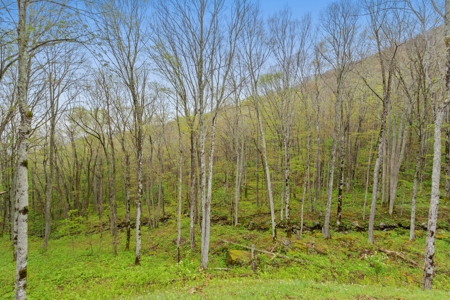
(73, 225)
(36, 223)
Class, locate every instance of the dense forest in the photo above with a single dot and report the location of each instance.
(130, 113)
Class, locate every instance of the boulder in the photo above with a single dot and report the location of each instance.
(237, 257)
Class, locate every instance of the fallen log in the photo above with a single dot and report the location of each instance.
(265, 252)
(400, 255)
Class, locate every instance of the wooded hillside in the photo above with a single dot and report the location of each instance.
(125, 113)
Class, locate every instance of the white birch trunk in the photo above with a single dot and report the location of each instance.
(367, 178)
(192, 194)
(21, 188)
(204, 247)
(287, 191)
(138, 207)
(428, 271)
(239, 170)
(209, 191)
(267, 172)
(376, 170)
(127, 198)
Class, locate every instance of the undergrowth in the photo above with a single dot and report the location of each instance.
(84, 267)
(79, 262)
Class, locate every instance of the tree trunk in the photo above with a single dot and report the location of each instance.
(414, 196)
(376, 171)
(308, 169)
(384, 177)
(367, 178)
(112, 175)
(267, 171)
(341, 178)
(428, 271)
(257, 169)
(396, 161)
(239, 170)
(180, 191)
(192, 188)
(21, 194)
(13, 212)
(447, 156)
(206, 205)
(127, 198)
(49, 177)
(160, 213)
(139, 141)
(326, 227)
(287, 190)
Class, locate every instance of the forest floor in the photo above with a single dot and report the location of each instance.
(79, 262)
(82, 266)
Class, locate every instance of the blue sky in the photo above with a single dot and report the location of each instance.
(298, 7)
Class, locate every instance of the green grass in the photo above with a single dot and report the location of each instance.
(291, 289)
(346, 266)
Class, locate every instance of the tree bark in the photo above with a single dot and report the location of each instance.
(127, 188)
(428, 271)
(326, 227)
(21, 194)
(206, 199)
(341, 177)
(447, 155)
(267, 170)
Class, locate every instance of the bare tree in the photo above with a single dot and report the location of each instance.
(194, 48)
(289, 41)
(386, 27)
(60, 64)
(339, 25)
(255, 53)
(97, 122)
(121, 28)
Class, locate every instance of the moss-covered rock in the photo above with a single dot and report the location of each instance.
(300, 246)
(321, 249)
(237, 257)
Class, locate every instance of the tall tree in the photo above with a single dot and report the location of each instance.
(194, 47)
(255, 53)
(60, 65)
(339, 25)
(386, 27)
(428, 271)
(289, 40)
(97, 122)
(21, 186)
(122, 28)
